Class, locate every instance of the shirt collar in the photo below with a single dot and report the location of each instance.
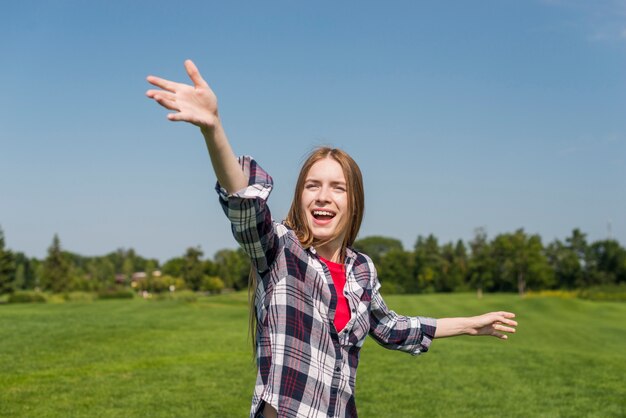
(350, 254)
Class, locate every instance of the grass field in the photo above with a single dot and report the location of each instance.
(136, 358)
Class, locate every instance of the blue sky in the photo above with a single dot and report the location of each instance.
(494, 114)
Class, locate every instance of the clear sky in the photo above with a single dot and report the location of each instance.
(500, 114)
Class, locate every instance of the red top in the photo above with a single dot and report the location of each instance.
(342, 311)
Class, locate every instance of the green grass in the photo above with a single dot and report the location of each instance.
(136, 358)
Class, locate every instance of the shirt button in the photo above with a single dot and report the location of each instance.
(334, 391)
(353, 310)
(345, 331)
(338, 369)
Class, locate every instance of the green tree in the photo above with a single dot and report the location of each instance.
(521, 262)
(102, 271)
(128, 268)
(453, 267)
(20, 278)
(608, 262)
(7, 268)
(56, 268)
(427, 264)
(193, 271)
(123, 260)
(577, 243)
(233, 267)
(481, 263)
(568, 270)
(150, 267)
(27, 267)
(396, 271)
(461, 264)
(174, 267)
(211, 268)
(377, 246)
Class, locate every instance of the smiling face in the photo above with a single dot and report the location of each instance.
(324, 202)
(328, 202)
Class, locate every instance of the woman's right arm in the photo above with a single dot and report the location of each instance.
(243, 185)
(197, 104)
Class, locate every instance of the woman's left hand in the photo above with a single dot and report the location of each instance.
(493, 324)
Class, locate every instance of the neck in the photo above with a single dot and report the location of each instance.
(330, 251)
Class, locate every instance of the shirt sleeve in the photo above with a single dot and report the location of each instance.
(412, 334)
(250, 218)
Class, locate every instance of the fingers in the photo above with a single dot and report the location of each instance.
(174, 117)
(162, 83)
(161, 94)
(504, 318)
(165, 99)
(500, 327)
(194, 74)
(506, 322)
(180, 117)
(168, 104)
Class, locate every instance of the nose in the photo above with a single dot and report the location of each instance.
(322, 195)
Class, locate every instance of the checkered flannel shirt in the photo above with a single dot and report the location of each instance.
(307, 368)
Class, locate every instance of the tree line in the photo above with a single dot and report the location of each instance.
(64, 271)
(509, 262)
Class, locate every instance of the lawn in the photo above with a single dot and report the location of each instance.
(136, 358)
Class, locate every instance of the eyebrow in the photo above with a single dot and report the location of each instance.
(332, 183)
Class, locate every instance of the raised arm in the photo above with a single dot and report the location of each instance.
(492, 323)
(197, 104)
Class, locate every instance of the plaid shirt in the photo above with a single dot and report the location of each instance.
(305, 367)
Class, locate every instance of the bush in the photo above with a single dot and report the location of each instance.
(391, 288)
(27, 297)
(159, 284)
(80, 296)
(116, 294)
(84, 284)
(557, 293)
(212, 284)
(185, 295)
(608, 292)
(55, 298)
(182, 295)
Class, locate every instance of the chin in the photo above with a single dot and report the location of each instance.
(325, 235)
(320, 236)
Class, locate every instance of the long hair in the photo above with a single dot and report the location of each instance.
(296, 217)
(297, 221)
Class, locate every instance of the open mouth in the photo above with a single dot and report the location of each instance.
(322, 215)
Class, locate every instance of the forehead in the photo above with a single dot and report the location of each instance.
(326, 169)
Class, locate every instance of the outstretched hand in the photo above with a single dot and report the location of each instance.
(493, 324)
(195, 104)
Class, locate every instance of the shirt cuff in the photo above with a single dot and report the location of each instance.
(428, 326)
(259, 182)
(254, 191)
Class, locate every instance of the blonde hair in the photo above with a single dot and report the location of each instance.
(297, 221)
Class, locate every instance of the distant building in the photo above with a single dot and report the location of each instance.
(140, 275)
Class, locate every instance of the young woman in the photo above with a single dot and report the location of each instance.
(315, 298)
